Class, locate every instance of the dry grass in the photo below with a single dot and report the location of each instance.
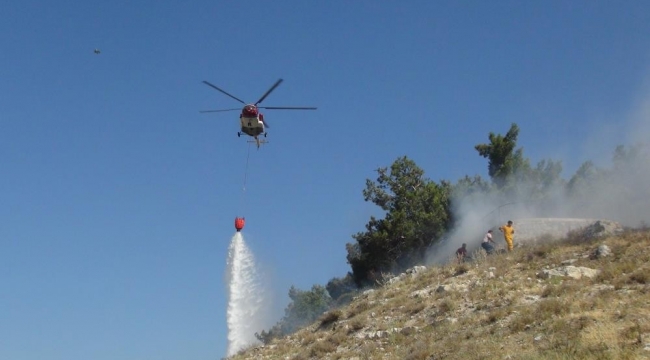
(494, 308)
(329, 317)
(357, 308)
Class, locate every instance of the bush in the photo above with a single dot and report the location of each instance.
(337, 287)
(329, 317)
(345, 299)
(305, 308)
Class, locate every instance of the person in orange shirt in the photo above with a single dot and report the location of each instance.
(508, 233)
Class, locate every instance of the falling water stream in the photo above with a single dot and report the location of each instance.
(245, 296)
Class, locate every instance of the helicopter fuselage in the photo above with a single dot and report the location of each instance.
(252, 126)
(252, 121)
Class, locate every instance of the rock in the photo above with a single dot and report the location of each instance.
(377, 334)
(420, 293)
(603, 287)
(575, 272)
(416, 269)
(529, 299)
(580, 271)
(547, 273)
(601, 251)
(602, 228)
(397, 278)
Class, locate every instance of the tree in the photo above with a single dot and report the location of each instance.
(337, 287)
(502, 160)
(512, 173)
(580, 185)
(625, 158)
(548, 175)
(533, 184)
(470, 186)
(417, 214)
(305, 307)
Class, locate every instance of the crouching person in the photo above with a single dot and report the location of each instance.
(461, 253)
(488, 243)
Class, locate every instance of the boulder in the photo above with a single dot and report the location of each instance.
(575, 272)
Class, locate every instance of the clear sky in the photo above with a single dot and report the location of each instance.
(117, 198)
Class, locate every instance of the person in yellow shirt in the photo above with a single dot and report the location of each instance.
(508, 233)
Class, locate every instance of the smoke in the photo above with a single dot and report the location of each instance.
(475, 215)
(623, 194)
(617, 189)
(246, 297)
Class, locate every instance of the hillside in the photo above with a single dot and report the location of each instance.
(569, 298)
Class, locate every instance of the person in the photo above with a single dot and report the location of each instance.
(508, 233)
(461, 253)
(487, 239)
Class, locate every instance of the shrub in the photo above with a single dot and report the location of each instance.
(550, 307)
(446, 306)
(305, 308)
(329, 317)
(344, 299)
(338, 287)
(356, 325)
(413, 307)
(358, 308)
(321, 348)
(641, 276)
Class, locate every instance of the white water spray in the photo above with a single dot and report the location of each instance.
(245, 296)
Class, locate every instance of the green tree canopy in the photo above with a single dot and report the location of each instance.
(305, 307)
(417, 214)
(512, 173)
(500, 152)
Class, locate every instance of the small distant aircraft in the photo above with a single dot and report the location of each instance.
(252, 121)
(97, 51)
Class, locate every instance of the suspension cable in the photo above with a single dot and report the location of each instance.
(242, 204)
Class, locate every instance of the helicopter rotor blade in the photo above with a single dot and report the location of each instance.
(224, 92)
(277, 83)
(221, 110)
(286, 108)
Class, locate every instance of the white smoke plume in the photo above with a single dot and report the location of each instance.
(622, 195)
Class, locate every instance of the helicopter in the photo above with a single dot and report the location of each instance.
(251, 119)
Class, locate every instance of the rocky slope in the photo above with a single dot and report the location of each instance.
(582, 297)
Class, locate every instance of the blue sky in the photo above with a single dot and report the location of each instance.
(117, 198)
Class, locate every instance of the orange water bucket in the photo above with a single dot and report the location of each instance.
(239, 223)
